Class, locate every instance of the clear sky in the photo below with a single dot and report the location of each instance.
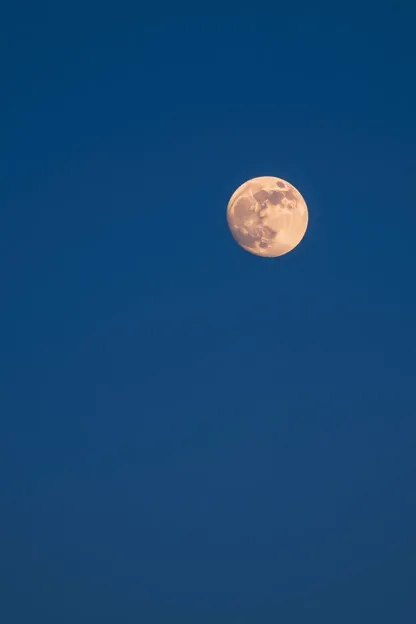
(190, 433)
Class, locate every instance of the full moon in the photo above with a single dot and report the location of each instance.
(267, 216)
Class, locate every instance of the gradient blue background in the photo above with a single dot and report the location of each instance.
(189, 433)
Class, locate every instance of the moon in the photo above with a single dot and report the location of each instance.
(267, 216)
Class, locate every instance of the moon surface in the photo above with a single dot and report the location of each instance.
(267, 216)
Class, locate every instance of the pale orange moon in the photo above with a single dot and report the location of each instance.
(267, 216)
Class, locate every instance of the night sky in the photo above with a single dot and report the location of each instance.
(189, 433)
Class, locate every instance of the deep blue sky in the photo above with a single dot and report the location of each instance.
(189, 433)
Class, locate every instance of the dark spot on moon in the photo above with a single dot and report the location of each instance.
(276, 197)
(290, 194)
(242, 209)
(261, 196)
(291, 205)
(281, 184)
